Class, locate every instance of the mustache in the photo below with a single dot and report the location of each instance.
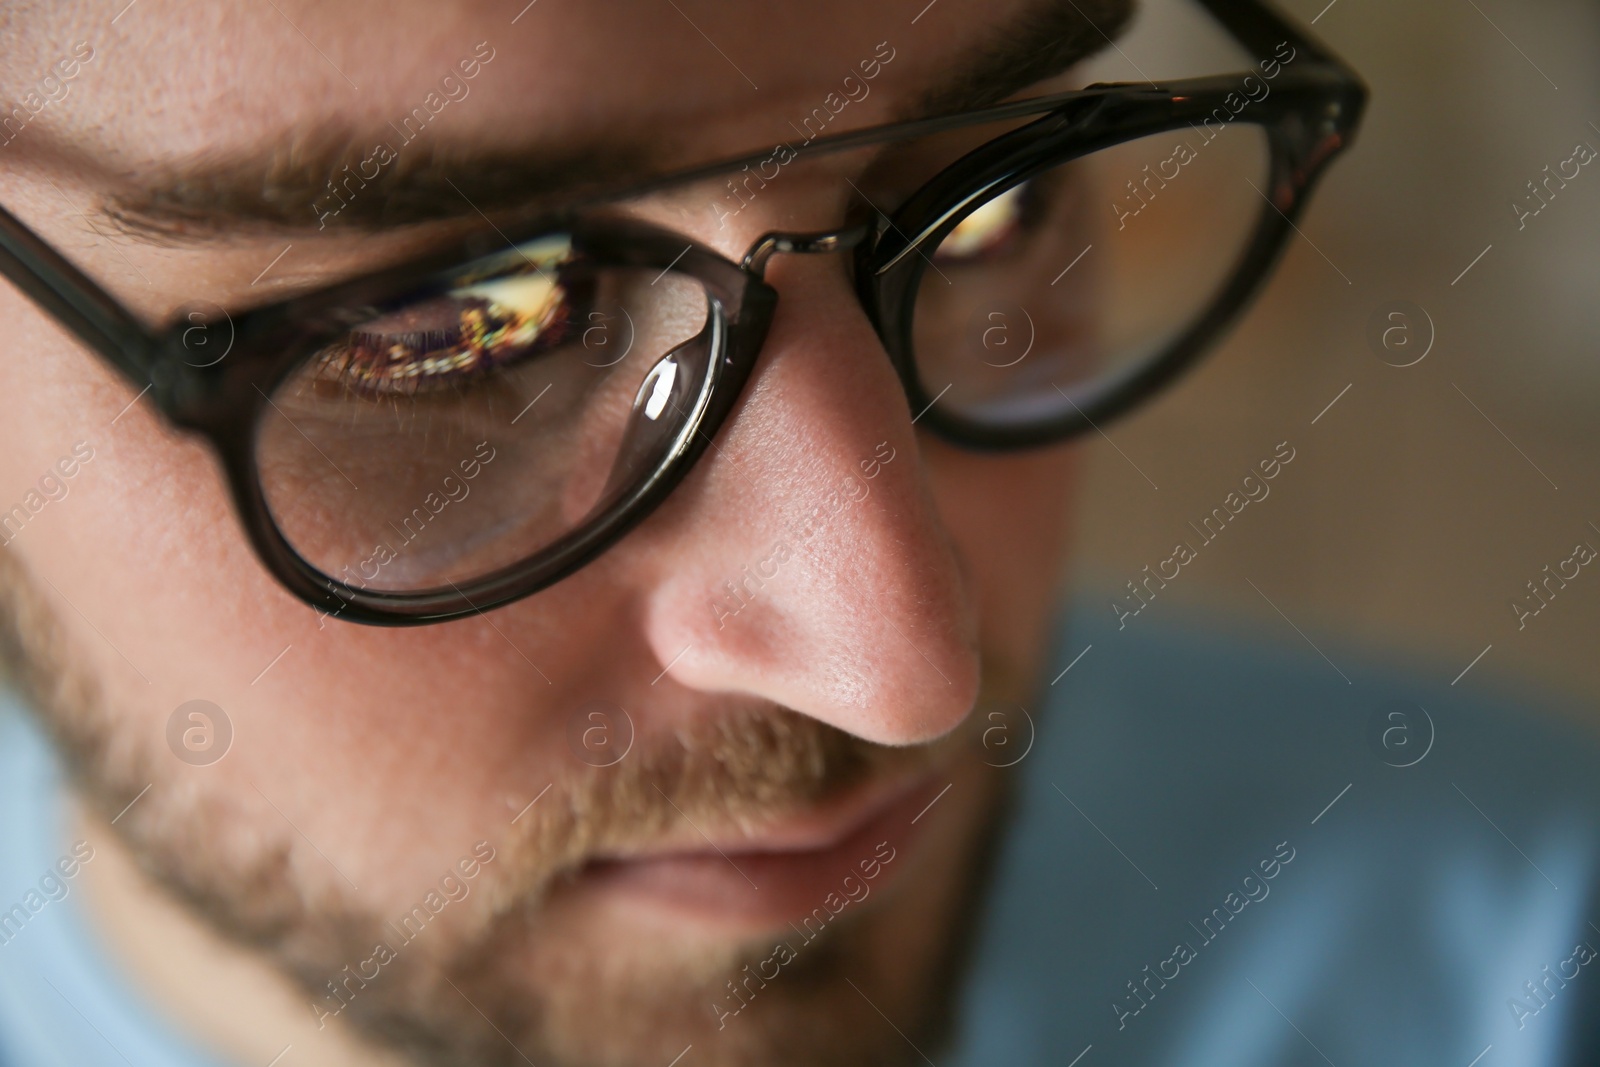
(739, 763)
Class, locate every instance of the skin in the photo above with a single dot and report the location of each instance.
(396, 751)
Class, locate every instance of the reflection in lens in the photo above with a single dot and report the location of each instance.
(1088, 269)
(472, 426)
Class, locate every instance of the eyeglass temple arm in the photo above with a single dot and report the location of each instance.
(80, 304)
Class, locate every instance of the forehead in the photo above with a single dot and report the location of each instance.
(173, 79)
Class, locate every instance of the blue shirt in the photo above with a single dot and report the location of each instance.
(1223, 853)
(1420, 903)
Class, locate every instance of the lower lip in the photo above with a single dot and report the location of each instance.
(769, 889)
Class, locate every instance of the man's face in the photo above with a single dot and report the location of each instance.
(640, 809)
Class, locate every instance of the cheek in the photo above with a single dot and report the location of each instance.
(163, 601)
(143, 537)
(1010, 517)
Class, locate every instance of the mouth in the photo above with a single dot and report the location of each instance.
(828, 857)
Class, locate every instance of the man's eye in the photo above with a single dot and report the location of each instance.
(440, 342)
(989, 230)
(473, 327)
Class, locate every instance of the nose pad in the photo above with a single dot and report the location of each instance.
(665, 399)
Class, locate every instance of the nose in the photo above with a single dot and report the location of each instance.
(807, 563)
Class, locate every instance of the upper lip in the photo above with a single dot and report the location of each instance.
(807, 830)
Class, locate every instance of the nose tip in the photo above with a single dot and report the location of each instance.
(930, 690)
(824, 579)
(876, 647)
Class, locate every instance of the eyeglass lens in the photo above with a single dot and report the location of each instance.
(476, 424)
(1046, 292)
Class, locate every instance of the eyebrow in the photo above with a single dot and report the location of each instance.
(308, 183)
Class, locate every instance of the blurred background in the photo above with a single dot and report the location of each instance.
(1423, 501)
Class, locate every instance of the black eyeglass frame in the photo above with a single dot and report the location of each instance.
(1309, 116)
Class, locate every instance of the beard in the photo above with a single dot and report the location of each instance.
(491, 968)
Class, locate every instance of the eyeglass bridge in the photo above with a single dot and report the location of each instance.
(774, 242)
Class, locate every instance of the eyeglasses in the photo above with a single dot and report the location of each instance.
(446, 436)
